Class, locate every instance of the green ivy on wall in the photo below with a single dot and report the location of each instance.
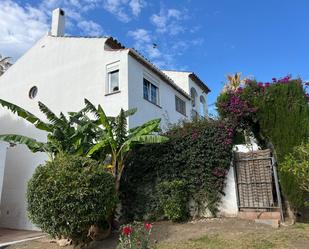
(198, 154)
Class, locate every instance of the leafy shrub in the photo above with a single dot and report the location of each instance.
(69, 194)
(197, 153)
(297, 164)
(136, 235)
(278, 115)
(173, 199)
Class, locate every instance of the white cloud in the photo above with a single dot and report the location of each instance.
(136, 6)
(140, 35)
(90, 28)
(116, 7)
(124, 9)
(20, 27)
(174, 13)
(168, 21)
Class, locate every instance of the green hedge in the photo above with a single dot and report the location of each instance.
(278, 116)
(197, 153)
(68, 195)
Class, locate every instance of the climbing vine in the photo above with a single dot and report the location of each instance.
(278, 115)
(197, 154)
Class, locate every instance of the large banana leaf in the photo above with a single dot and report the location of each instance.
(31, 143)
(130, 112)
(26, 115)
(104, 121)
(154, 123)
(97, 147)
(52, 117)
(91, 108)
(150, 139)
(143, 135)
(147, 128)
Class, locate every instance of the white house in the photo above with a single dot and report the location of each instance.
(61, 71)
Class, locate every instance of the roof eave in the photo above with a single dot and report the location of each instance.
(200, 83)
(158, 72)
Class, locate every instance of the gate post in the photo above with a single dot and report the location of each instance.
(273, 162)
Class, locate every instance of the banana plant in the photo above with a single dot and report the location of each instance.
(72, 135)
(117, 140)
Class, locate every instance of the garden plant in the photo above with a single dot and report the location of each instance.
(69, 194)
(135, 236)
(277, 114)
(75, 138)
(161, 180)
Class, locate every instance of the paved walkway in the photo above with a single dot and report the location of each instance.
(8, 236)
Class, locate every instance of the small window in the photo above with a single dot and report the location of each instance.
(150, 92)
(203, 107)
(33, 92)
(180, 105)
(193, 94)
(113, 81)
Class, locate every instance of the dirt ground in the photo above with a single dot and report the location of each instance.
(208, 233)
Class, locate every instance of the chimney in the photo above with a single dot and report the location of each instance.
(58, 23)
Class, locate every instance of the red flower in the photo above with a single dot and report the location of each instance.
(148, 226)
(127, 230)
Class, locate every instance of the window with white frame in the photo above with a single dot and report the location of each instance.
(150, 92)
(113, 81)
(193, 94)
(112, 77)
(202, 106)
(180, 105)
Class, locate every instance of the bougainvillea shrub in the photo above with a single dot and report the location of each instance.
(197, 153)
(277, 113)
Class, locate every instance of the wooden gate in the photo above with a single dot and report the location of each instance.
(256, 180)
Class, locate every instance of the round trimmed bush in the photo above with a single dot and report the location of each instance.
(69, 194)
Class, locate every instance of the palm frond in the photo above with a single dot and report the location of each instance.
(26, 115)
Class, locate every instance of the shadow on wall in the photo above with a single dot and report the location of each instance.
(20, 164)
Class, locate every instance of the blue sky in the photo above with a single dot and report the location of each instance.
(261, 38)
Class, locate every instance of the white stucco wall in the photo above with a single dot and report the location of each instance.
(65, 70)
(147, 110)
(182, 80)
(3, 148)
(200, 93)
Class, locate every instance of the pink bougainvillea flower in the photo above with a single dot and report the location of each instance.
(260, 84)
(148, 226)
(274, 79)
(127, 230)
(267, 84)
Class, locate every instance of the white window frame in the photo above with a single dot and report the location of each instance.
(154, 83)
(111, 68)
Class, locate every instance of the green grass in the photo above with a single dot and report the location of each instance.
(296, 236)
